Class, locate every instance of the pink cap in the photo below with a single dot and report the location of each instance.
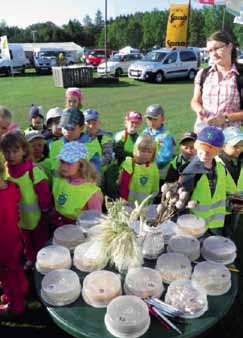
(134, 116)
(74, 91)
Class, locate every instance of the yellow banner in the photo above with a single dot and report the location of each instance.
(177, 26)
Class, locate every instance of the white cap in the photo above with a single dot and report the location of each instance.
(31, 135)
(53, 112)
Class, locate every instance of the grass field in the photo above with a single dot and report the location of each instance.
(112, 101)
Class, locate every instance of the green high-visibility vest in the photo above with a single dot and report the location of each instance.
(144, 180)
(70, 199)
(211, 208)
(30, 212)
(125, 138)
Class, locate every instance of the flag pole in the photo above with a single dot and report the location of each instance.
(223, 19)
(189, 12)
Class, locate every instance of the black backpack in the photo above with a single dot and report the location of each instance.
(239, 80)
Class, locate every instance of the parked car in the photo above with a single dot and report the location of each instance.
(95, 57)
(165, 63)
(118, 64)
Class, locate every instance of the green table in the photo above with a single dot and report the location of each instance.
(81, 320)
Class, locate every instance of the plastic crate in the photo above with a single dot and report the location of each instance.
(72, 76)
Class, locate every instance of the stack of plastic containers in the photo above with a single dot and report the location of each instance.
(168, 230)
(143, 282)
(186, 245)
(173, 266)
(60, 287)
(69, 235)
(100, 287)
(153, 241)
(214, 277)
(191, 225)
(53, 257)
(219, 249)
(127, 316)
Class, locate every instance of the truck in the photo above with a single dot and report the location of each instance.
(17, 61)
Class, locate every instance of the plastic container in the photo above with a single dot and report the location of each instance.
(127, 317)
(186, 245)
(89, 257)
(89, 218)
(69, 235)
(60, 287)
(168, 230)
(151, 212)
(153, 241)
(100, 287)
(143, 282)
(191, 225)
(188, 297)
(53, 257)
(219, 249)
(173, 266)
(214, 277)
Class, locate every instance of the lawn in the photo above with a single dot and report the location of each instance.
(112, 101)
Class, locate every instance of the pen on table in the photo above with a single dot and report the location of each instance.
(167, 321)
(151, 310)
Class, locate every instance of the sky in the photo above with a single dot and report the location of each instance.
(26, 12)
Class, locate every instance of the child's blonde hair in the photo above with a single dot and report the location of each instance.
(15, 140)
(144, 142)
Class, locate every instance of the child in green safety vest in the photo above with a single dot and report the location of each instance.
(232, 157)
(124, 140)
(204, 179)
(75, 187)
(140, 175)
(180, 161)
(36, 199)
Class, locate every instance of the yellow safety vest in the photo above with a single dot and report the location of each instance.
(30, 212)
(70, 199)
(144, 180)
(123, 136)
(211, 208)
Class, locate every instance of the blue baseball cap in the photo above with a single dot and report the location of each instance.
(71, 117)
(36, 111)
(233, 135)
(212, 136)
(72, 152)
(91, 114)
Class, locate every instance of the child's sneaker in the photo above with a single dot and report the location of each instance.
(3, 308)
(4, 299)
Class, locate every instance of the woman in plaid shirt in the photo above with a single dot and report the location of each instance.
(216, 99)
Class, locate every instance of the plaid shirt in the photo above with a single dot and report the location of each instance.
(219, 97)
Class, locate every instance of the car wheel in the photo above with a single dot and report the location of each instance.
(118, 72)
(191, 74)
(159, 77)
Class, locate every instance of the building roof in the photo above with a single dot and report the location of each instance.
(70, 46)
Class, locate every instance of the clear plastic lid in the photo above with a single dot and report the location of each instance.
(53, 257)
(89, 218)
(143, 282)
(100, 287)
(68, 235)
(186, 245)
(173, 266)
(90, 256)
(127, 316)
(219, 249)
(191, 225)
(60, 287)
(214, 277)
(168, 230)
(188, 297)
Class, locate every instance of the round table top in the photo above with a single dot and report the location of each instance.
(82, 320)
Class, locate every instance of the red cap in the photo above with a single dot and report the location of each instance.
(134, 116)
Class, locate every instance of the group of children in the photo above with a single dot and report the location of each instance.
(53, 171)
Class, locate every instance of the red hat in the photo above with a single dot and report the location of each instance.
(134, 116)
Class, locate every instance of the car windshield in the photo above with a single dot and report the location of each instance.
(115, 57)
(154, 56)
(97, 53)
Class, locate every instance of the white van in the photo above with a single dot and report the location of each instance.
(17, 61)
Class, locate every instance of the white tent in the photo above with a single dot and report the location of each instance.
(128, 49)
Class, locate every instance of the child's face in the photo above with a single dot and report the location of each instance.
(155, 123)
(37, 122)
(4, 124)
(69, 169)
(73, 102)
(74, 134)
(53, 124)
(14, 156)
(205, 156)
(144, 155)
(233, 151)
(37, 146)
(132, 126)
(92, 126)
(187, 149)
